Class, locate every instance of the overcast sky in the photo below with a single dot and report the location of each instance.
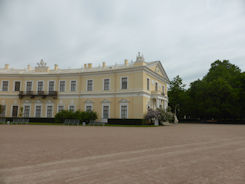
(185, 35)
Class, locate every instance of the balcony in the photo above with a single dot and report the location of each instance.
(158, 94)
(33, 94)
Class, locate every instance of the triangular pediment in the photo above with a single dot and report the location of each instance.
(157, 67)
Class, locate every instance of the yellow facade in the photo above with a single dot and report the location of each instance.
(43, 91)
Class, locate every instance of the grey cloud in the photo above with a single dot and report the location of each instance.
(187, 36)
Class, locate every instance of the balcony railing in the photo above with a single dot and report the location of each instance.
(33, 94)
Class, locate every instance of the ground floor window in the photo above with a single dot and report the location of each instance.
(124, 111)
(89, 108)
(106, 109)
(15, 111)
(49, 111)
(72, 108)
(3, 110)
(60, 108)
(38, 111)
(26, 111)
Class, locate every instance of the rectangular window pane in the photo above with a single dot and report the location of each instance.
(15, 111)
(163, 90)
(26, 111)
(29, 86)
(124, 83)
(5, 85)
(106, 84)
(148, 84)
(72, 108)
(60, 108)
(89, 85)
(49, 111)
(156, 86)
(62, 86)
(51, 86)
(73, 85)
(3, 110)
(38, 111)
(105, 111)
(124, 111)
(17, 86)
(88, 107)
(40, 86)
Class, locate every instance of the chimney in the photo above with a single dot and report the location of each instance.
(28, 67)
(85, 65)
(103, 64)
(125, 62)
(89, 65)
(6, 66)
(55, 67)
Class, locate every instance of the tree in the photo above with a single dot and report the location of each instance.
(178, 97)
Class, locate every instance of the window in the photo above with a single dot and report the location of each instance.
(90, 85)
(17, 86)
(156, 86)
(38, 111)
(15, 111)
(163, 90)
(29, 86)
(5, 85)
(124, 111)
(40, 86)
(72, 108)
(105, 111)
(106, 84)
(3, 110)
(60, 108)
(89, 108)
(148, 84)
(62, 86)
(73, 85)
(51, 86)
(49, 111)
(26, 111)
(124, 82)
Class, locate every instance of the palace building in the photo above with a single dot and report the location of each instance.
(120, 91)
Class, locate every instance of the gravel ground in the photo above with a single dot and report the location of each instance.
(181, 154)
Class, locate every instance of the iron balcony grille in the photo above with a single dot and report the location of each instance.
(33, 94)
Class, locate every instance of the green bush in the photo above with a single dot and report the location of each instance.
(83, 116)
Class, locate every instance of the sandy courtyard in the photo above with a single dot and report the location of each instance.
(183, 154)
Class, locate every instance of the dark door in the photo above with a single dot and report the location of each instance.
(15, 111)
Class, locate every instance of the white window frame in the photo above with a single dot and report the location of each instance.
(47, 110)
(60, 106)
(14, 85)
(64, 86)
(31, 85)
(121, 82)
(75, 85)
(109, 110)
(123, 104)
(109, 87)
(29, 115)
(48, 84)
(89, 104)
(92, 84)
(71, 106)
(36, 110)
(37, 85)
(7, 85)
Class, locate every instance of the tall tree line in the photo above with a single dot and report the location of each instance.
(219, 95)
